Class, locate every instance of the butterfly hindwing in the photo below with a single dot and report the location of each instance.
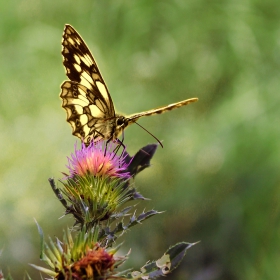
(85, 113)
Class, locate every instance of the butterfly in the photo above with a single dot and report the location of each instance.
(86, 99)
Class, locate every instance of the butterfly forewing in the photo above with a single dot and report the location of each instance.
(88, 104)
(86, 99)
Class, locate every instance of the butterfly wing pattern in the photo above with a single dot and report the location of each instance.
(88, 104)
(86, 99)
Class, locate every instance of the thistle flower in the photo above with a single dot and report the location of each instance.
(98, 183)
(95, 263)
(79, 258)
(98, 159)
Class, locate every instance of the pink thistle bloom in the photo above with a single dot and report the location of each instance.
(99, 160)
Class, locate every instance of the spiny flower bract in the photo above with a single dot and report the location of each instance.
(94, 199)
(79, 258)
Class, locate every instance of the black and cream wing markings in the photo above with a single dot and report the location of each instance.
(88, 104)
(86, 99)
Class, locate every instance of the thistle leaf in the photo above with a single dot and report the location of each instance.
(163, 266)
(141, 160)
(111, 235)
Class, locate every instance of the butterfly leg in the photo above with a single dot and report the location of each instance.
(120, 142)
(115, 151)
(106, 145)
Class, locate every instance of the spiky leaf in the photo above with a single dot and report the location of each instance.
(165, 265)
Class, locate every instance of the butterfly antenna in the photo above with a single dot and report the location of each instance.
(150, 133)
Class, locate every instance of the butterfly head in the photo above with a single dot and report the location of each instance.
(121, 123)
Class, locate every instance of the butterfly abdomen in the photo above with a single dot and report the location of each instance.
(161, 110)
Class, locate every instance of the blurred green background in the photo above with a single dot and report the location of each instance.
(218, 174)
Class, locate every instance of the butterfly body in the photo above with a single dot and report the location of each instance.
(86, 99)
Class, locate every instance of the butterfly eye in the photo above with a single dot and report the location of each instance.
(119, 121)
